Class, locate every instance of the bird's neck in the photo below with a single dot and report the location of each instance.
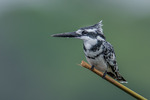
(89, 43)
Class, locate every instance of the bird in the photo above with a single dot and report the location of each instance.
(98, 52)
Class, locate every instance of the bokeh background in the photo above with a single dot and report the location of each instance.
(36, 66)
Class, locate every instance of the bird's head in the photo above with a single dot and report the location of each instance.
(86, 33)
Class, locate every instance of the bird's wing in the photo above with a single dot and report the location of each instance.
(109, 56)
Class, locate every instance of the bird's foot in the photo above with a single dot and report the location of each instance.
(104, 74)
(92, 67)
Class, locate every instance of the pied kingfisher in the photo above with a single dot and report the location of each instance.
(98, 52)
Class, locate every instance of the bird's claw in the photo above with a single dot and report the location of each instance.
(104, 74)
(92, 67)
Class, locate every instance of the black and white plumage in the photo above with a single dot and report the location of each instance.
(98, 52)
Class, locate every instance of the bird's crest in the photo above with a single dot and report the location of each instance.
(97, 28)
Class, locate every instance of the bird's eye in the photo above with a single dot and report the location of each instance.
(83, 32)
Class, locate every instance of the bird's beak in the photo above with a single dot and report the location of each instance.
(69, 34)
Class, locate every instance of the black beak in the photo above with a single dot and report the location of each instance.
(69, 34)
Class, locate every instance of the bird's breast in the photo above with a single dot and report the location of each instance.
(98, 62)
(94, 55)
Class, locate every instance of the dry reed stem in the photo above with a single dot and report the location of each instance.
(114, 82)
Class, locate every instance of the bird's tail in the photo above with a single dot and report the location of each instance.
(120, 78)
(117, 76)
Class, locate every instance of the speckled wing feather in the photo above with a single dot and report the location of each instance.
(109, 56)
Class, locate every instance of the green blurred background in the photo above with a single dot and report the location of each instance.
(36, 66)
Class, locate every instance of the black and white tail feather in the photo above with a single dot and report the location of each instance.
(98, 52)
